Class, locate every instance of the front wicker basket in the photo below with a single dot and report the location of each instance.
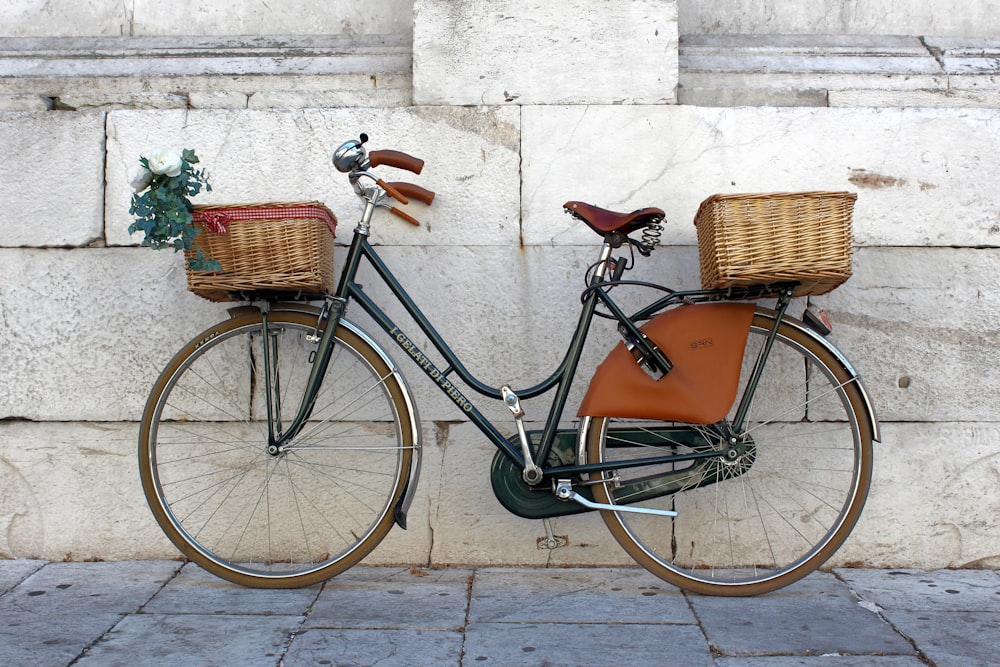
(757, 239)
(267, 247)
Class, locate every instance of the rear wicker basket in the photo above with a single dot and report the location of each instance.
(754, 239)
(269, 247)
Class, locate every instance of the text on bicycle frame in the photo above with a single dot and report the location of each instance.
(431, 370)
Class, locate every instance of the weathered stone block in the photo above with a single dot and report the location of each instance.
(803, 62)
(65, 17)
(950, 98)
(564, 52)
(885, 17)
(389, 91)
(218, 99)
(508, 313)
(920, 174)
(71, 491)
(98, 98)
(920, 324)
(185, 17)
(751, 97)
(100, 72)
(58, 477)
(931, 503)
(472, 162)
(87, 331)
(52, 179)
(295, 17)
(25, 102)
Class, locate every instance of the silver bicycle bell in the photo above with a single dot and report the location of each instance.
(350, 155)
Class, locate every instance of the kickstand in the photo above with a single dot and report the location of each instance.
(551, 540)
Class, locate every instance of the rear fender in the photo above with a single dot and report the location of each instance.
(869, 409)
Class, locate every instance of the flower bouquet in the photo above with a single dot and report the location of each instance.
(162, 206)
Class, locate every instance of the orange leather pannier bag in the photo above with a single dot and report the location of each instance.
(705, 342)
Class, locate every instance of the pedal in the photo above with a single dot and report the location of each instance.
(551, 540)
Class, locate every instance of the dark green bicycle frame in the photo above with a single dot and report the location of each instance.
(561, 379)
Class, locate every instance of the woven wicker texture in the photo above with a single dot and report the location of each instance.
(272, 247)
(753, 239)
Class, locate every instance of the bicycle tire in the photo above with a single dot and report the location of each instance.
(292, 519)
(775, 512)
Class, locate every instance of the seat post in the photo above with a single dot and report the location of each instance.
(602, 266)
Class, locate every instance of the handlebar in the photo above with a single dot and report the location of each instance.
(351, 157)
(413, 191)
(395, 159)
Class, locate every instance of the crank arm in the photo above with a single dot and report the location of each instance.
(565, 492)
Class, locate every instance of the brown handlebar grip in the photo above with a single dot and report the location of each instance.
(413, 191)
(405, 216)
(392, 192)
(395, 159)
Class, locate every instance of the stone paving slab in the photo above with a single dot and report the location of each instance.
(832, 660)
(385, 648)
(195, 640)
(195, 591)
(14, 572)
(53, 615)
(399, 598)
(917, 590)
(594, 645)
(952, 639)
(78, 588)
(155, 613)
(815, 616)
(577, 595)
(953, 616)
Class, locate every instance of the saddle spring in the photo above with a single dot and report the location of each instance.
(651, 233)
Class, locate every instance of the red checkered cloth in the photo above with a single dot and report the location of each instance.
(218, 220)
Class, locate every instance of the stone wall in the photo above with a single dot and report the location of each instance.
(960, 18)
(516, 108)
(47, 18)
(71, 18)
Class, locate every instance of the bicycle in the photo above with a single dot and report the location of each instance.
(279, 447)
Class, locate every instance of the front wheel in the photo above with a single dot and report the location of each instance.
(780, 501)
(274, 519)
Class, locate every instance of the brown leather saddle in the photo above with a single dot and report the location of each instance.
(604, 221)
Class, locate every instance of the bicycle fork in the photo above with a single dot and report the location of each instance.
(327, 322)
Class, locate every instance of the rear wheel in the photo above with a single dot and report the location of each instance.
(279, 520)
(780, 501)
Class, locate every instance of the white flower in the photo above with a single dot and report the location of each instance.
(142, 180)
(165, 161)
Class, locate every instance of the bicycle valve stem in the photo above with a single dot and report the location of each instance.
(532, 474)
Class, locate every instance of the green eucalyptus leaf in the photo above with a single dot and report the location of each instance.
(163, 211)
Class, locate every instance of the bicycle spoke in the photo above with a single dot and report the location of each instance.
(781, 497)
(296, 516)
